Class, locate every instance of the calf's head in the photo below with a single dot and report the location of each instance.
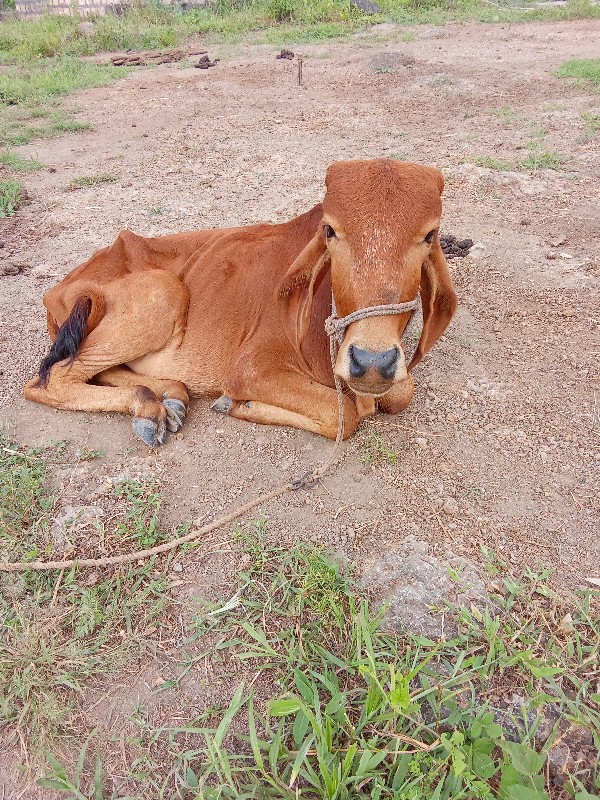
(379, 238)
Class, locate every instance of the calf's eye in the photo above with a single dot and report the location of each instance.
(328, 232)
(430, 238)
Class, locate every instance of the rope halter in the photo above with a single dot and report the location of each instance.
(336, 326)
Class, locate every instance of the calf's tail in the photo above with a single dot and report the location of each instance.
(85, 314)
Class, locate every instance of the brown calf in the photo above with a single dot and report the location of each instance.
(239, 313)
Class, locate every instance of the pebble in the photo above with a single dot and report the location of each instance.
(450, 507)
(177, 567)
(478, 251)
(557, 242)
(86, 29)
(9, 269)
(421, 442)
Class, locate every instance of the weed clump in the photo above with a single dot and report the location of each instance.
(10, 196)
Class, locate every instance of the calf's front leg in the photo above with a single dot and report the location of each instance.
(291, 399)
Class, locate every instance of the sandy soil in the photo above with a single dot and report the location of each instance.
(499, 447)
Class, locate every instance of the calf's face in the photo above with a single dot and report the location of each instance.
(379, 236)
(380, 225)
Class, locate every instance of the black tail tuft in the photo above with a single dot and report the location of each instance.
(70, 335)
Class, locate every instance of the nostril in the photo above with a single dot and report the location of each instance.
(386, 363)
(358, 362)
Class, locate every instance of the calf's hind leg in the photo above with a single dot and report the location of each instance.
(174, 394)
(122, 335)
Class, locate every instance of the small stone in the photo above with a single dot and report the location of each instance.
(478, 251)
(366, 6)
(450, 507)
(177, 567)
(551, 255)
(435, 32)
(9, 268)
(86, 29)
(566, 624)
(421, 442)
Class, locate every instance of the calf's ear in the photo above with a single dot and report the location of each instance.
(296, 291)
(438, 299)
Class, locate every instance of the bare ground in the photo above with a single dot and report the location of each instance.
(499, 447)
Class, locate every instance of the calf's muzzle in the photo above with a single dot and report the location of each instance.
(362, 361)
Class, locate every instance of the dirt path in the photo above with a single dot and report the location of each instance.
(497, 448)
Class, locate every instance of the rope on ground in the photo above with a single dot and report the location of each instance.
(138, 555)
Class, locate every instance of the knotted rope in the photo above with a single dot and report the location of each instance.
(335, 329)
(336, 326)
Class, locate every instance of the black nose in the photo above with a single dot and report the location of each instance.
(362, 361)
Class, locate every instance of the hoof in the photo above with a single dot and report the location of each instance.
(149, 432)
(223, 405)
(175, 413)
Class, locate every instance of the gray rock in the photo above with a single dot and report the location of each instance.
(416, 587)
(71, 520)
(366, 6)
(86, 29)
(390, 62)
(477, 251)
(434, 32)
(8, 268)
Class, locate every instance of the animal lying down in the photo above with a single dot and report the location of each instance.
(239, 313)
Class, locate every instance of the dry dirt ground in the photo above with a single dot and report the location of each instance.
(498, 446)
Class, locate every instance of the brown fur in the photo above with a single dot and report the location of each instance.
(240, 312)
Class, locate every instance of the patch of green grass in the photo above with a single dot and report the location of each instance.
(34, 92)
(582, 69)
(347, 710)
(140, 521)
(307, 34)
(376, 450)
(493, 163)
(88, 181)
(19, 125)
(17, 163)
(506, 113)
(538, 157)
(543, 159)
(10, 196)
(88, 454)
(52, 78)
(58, 629)
(592, 125)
